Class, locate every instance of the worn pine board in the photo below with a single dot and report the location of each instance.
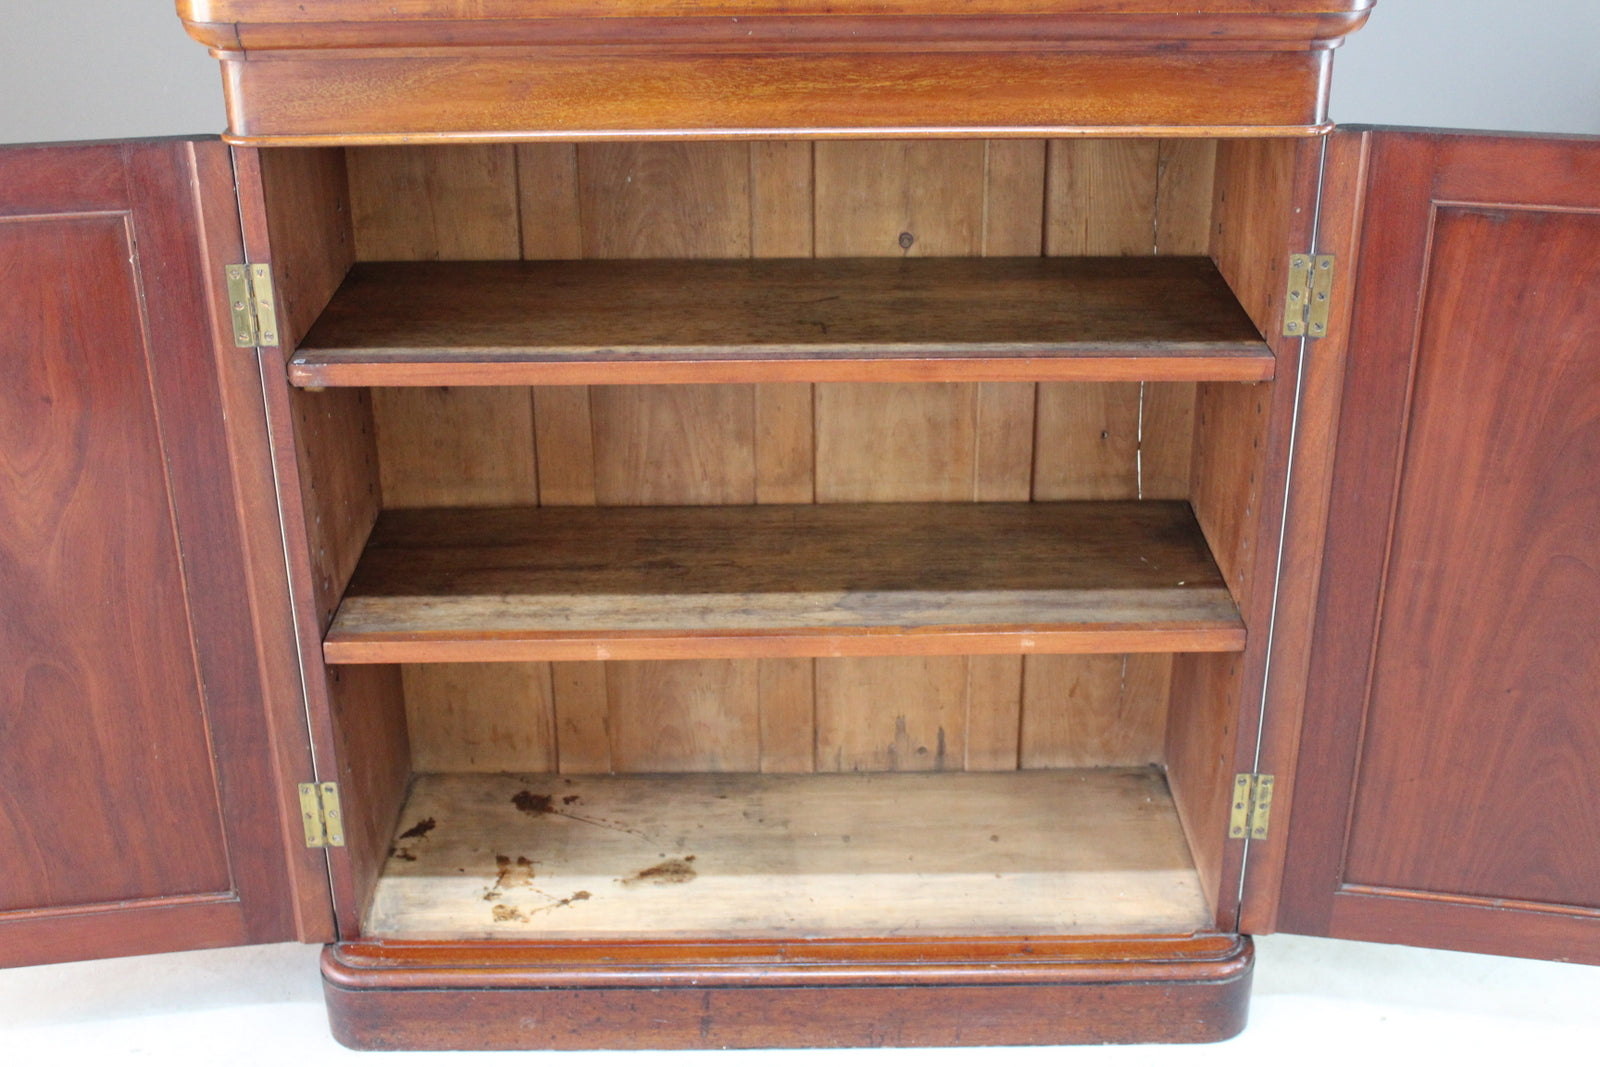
(442, 585)
(582, 322)
(546, 856)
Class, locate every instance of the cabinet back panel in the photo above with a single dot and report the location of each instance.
(787, 442)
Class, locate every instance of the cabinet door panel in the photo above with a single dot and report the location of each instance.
(140, 800)
(1449, 776)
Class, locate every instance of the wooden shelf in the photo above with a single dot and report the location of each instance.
(496, 584)
(499, 856)
(678, 321)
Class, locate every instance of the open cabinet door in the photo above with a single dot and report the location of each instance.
(151, 731)
(1448, 783)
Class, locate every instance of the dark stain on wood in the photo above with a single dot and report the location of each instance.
(510, 874)
(421, 830)
(530, 803)
(672, 872)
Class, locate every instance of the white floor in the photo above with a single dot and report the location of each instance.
(1316, 1001)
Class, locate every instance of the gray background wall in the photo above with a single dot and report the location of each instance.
(84, 69)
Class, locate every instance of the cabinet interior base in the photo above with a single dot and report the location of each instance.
(1025, 853)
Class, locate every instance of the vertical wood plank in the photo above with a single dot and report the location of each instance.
(782, 199)
(678, 200)
(547, 198)
(480, 717)
(895, 441)
(445, 446)
(1166, 440)
(1086, 444)
(994, 712)
(684, 444)
(893, 198)
(788, 715)
(1013, 198)
(700, 715)
(1231, 424)
(583, 743)
(307, 207)
(337, 458)
(782, 217)
(367, 705)
(1101, 197)
(1184, 194)
(921, 701)
(784, 443)
(1185, 186)
(564, 435)
(450, 447)
(434, 202)
(676, 444)
(547, 188)
(1094, 711)
(1013, 225)
(1100, 201)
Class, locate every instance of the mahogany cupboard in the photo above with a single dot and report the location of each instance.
(810, 536)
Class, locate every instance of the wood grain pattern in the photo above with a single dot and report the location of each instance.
(933, 94)
(480, 717)
(791, 319)
(145, 752)
(373, 769)
(1307, 504)
(88, 539)
(451, 585)
(445, 447)
(1478, 405)
(788, 703)
(582, 713)
(525, 857)
(1241, 458)
(337, 459)
(1094, 711)
(448, 203)
(745, 994)
(548, 211)
(922, 702)
(698, 716)
(306, 198)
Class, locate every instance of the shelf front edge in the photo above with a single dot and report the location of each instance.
(347, 648)
(312, 370)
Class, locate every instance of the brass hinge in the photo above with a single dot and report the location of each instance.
(324, 822)
(1252, 806)
(250, 299)
(1309, 293)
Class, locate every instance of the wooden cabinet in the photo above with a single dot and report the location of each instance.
(837, 589)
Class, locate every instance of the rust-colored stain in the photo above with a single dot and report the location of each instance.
(506, 913)
(672, 872)
(512, 874)
(569, 800)
(530, 803)
(422, 829)
(403, 854)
